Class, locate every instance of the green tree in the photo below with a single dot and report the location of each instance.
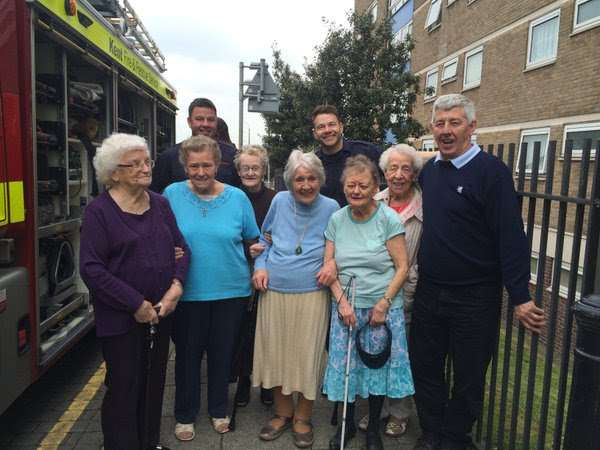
(359, 69)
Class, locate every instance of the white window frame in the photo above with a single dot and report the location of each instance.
(563, 291)
(543, 151)
(430, 22)
(372, 10)
(577, 27)
(403, 33)
(395, 5)
(452, 77)
(468, 55)
(550, 16)
(577, 128)
(431, 73)
(428, 145)
(533, 274)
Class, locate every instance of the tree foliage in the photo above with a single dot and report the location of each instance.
(360, 70)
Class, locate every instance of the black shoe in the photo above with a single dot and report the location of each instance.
(242, 395)
(374, 441)
(334, 442)
(428, 441)
(266, 396)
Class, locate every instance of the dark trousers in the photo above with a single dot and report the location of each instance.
(135, 381)
(459, 322)
(244, 349)
(211, 327)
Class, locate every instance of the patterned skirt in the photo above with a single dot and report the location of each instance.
(393, 380)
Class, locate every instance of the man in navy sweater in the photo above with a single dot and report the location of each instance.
(202, 119)
(334, 150)
(473, 243)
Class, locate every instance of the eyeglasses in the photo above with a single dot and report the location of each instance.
(138, 165)
(248, 169)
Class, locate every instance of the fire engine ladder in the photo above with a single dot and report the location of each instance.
(134, 31)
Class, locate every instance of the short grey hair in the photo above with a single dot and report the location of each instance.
(309, 161)
(360, 164)
(199, 144)
(450, 101)
(252, 150)
(109, 154)
(405, 150)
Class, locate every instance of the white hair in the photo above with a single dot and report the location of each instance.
(309, 161)
(252, 150)
(109, 154)
(401, 149)
(450, 101)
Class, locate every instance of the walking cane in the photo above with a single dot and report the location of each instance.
(347, 373)
(150, 337)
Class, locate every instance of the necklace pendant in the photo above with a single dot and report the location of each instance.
(298, 250)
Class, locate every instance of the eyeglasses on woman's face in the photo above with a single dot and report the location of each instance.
(137, 164)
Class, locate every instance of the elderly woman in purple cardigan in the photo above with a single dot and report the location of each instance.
(127, 260)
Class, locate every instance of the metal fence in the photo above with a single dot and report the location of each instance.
(529, 380)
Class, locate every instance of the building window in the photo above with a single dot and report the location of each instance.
(534, 267)
(474, 139)
(431, 84)
(403, 33)
(449, 70)
(579, 134)
(427, 145)
(543, 39)
(530, 137)
(434, 14)
(372, 10)
(473, 66)
(395, 5)
(565, 274)
(587, 14)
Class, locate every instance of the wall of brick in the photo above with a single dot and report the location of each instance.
(508, 93)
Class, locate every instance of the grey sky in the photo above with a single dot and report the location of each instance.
(203, 43)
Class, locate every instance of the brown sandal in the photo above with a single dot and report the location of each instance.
(270, 433)
(395, 427)
(303, 440)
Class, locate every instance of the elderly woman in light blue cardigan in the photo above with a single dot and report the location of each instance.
(292, 324)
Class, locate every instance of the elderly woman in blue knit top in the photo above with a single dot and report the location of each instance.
(291, 327)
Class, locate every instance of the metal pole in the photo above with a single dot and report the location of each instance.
(241, 112)
(583, 432)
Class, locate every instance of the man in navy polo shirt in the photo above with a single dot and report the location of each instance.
(334, 150)
(202, 119)
(472, 244)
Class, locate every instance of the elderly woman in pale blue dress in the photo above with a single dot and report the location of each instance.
(366, 239)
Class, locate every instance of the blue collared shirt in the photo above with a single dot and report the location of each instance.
(462, 160)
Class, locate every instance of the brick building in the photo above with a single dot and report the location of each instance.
(532, 67)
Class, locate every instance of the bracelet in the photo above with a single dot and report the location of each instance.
(388, 300)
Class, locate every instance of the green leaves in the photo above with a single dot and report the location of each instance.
(360, 70)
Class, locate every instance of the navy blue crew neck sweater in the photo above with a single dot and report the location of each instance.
(472, 227)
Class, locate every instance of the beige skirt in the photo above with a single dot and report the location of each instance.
(289, 346)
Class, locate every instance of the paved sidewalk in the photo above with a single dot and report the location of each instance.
(62, 411)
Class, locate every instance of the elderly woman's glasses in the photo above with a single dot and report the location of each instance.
(138, 165)
(248, 169)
